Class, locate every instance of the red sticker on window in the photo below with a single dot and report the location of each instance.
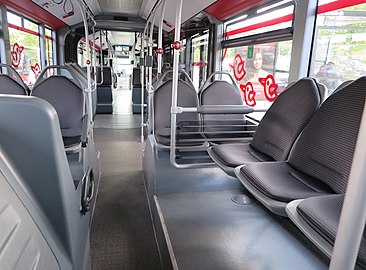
(36, 69)
(269, 87)
(15, 54)
(238, 67)
(249, 94)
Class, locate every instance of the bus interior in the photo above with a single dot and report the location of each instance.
(181, 134)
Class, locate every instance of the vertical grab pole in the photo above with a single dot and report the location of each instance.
(160, 38)
(142, 78)
(176, 46)
(151, 51)
(353, 217)
(88, 91)
(95, 62)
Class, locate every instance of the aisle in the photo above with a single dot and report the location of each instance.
(122, 235)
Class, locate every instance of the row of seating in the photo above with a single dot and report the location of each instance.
(194, 129)
(58, 90)
(299, 160)
(45, 188)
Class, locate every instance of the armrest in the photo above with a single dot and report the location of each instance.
(224, 109)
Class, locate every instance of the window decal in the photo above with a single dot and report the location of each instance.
(249, 94)
(238, 67)
(269, 87)
(36, 69)
(16, 54)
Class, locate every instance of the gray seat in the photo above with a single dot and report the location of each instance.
(68, 100)
(277, 131)
(10, 86)
(33, 144)
(10, 81)
(218, 126)
(162, 98)
(25, 236)
(81, 75)
(321, 159)
(318, 218)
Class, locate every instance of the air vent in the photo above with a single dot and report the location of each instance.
(120, 18)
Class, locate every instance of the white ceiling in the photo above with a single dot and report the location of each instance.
(132, 8)
(71, 5)
(127, 7)
(189, 9)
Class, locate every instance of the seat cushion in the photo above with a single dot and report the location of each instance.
(235, 154)
(281, 182)
(323, 214)
(71, 141)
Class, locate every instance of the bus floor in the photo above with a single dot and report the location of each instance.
(207, 230)
(199, 226)
(121, 236)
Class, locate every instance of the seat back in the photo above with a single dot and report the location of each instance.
(31, 243)
(325, 148)
(286, 118)
(10, 86)
(162, 100)
(68, 100)
(10, 81)
(221, 93)
(33, 143)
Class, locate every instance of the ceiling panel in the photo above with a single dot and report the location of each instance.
(190, 9)
(128, 7)
(67, 11)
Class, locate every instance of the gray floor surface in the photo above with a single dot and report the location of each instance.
(209, 231)
(122, 236)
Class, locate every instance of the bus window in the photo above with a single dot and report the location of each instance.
(49, 47)
(249, 65)
(261, 70)
(339, 48)
(24, 46)
(199, 60)
(82, 55)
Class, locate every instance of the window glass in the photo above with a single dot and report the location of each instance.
(49, 47)
(49, 51)
(25, 51)
(261, 71)
(14, 19)
(260, 23)
(83, 56)
(199, 60)
(340, 45)
(30, 25)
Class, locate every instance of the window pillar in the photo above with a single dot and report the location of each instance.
(305, 15)
(42, 45)
(4, 37)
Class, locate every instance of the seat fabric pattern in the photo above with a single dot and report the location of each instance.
(323, 215)
(222, 93)
(162, 100)
(326, 146)
(10, 86)
(281, 182)
(67, 98)
(286, 118)
(321, 158)
(235, 154)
